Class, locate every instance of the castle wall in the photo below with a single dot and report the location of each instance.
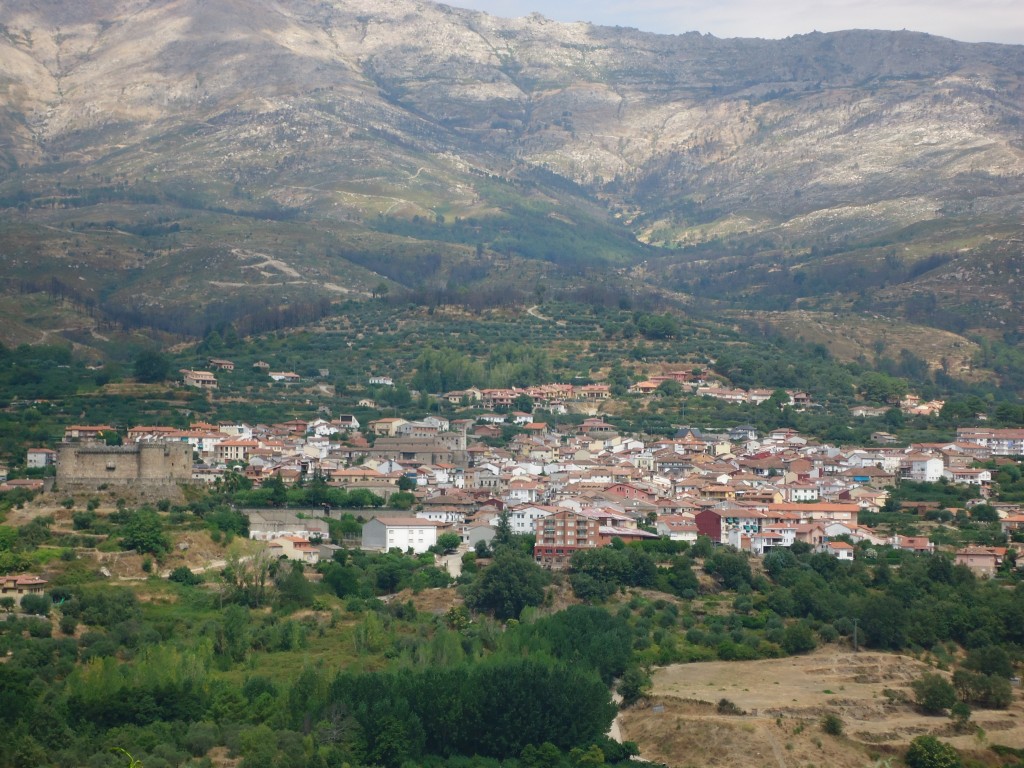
(148, 465)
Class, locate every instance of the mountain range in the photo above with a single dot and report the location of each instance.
(172, 165)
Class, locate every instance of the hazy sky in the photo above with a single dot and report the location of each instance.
(998, 21)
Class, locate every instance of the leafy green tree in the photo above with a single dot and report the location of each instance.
(151, 366)
(512, 582)
(278, 494)
(144, 532)
(799, 638)
(37, 605)
(990, 660)
(401, 500)
(933, 693)
(634, 685)
(732, 567)
(523, 403)
(929, 752)
(449, 541)
(989, 691)
(293, 588)
(670, 388)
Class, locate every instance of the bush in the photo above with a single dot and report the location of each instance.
(798, 638)
(183, 575)
(832, 725)
(727, 707)
(929, 752)
(933, 693)
(37, 605)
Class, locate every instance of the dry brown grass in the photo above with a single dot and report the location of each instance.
(784, 701)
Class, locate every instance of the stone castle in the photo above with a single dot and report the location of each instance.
(147, 466)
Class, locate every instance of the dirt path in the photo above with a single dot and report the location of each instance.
(534, 311)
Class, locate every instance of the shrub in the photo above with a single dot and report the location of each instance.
(727, 707)
(929, 752)
(183, 575)
(832, 725)
(38, 605)
(933, 693)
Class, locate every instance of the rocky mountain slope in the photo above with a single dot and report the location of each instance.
(175, 163)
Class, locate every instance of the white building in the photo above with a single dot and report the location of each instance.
(402, 533)
(521, 518)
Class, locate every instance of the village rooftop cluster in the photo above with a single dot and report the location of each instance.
(584, 485)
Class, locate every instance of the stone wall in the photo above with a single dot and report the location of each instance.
(145, 466)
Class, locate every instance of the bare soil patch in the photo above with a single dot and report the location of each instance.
(784, 700)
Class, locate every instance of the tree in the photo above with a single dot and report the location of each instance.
(278, 493)
(933, 693)
(670, 388)
(799, 638)
(929, 752)
(144, 532)
(502, 532)
(523, 403)
(634, 685)
(37, 605)
(401, 500)
(512, 582)
(151, 366)
(449, 542)
(294, 590)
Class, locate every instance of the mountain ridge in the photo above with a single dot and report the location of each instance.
(307, 131)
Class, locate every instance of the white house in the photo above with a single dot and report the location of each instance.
(40, 457)
(677, 527)
(521, 518)
(968, 476)
(402, 533)
(922, 468)
(840, 550)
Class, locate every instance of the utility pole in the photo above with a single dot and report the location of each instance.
(855, 647)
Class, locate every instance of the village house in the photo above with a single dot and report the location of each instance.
(920, 545)
(267, 525)
(677, 527)
(201, 379)
(83, 434)
(981, 561)
(38, 458)
(235, 451)
(17, 585)
(717, 522)
(386, 427)
(402, 533)
(840, 550)
(1000, 442)
(295, 548)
